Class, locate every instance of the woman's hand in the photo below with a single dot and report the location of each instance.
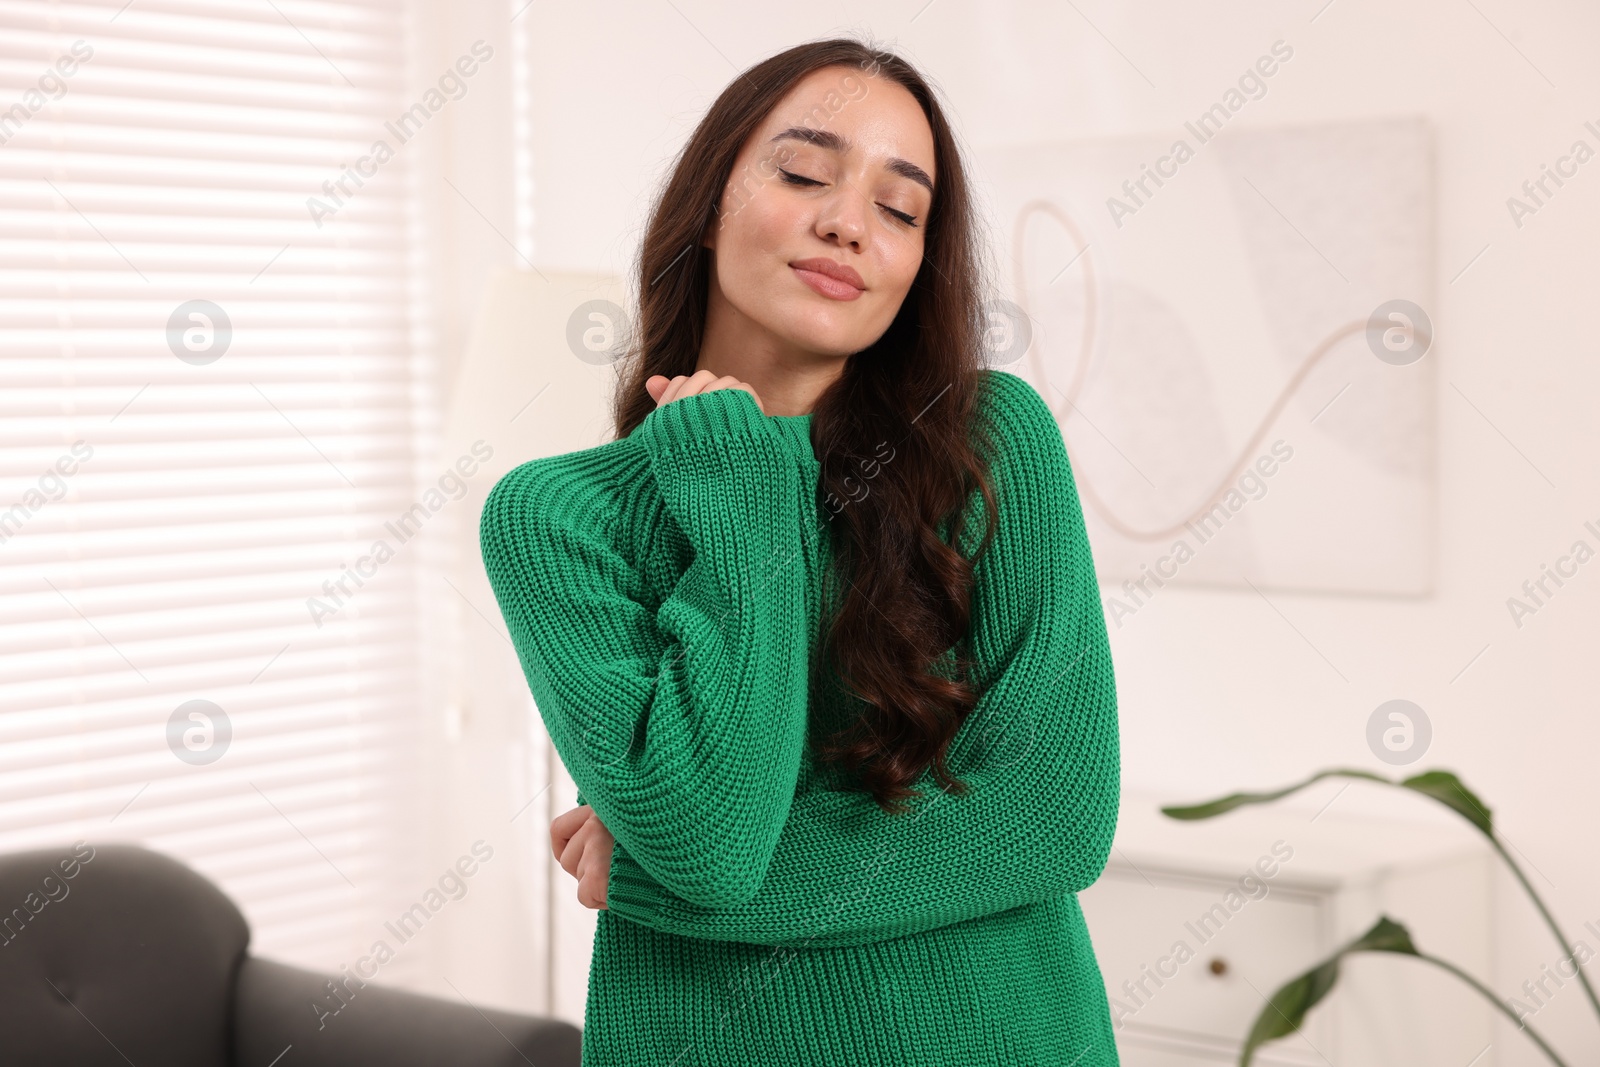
(664, 390)
(582, 845)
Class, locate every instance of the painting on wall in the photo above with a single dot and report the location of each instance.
(1235, 335)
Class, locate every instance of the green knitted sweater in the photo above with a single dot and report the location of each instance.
(667, 593)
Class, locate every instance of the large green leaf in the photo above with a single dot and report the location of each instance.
(1447, 789)
(1442, 786)
(1222, 805)
(1286, 1009)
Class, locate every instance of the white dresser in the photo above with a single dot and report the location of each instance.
(1195, 924)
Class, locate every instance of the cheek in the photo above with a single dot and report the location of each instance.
(774, 227)
(901, 264)
(755, 244)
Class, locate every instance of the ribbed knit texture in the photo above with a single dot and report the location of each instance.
(666, 593)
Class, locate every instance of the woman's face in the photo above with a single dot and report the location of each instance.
(840, 172)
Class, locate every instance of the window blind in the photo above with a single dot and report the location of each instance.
(214, 410)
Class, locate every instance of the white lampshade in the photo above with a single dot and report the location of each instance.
(523, 389)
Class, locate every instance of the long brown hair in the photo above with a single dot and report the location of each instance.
(894, 434)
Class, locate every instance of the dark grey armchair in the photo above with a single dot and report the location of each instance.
(140, 960)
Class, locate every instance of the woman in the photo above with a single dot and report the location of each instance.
(761, 618)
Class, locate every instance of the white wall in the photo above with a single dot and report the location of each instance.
(1217, 691)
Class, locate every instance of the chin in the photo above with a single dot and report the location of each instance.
(830, 344)
(818, 331)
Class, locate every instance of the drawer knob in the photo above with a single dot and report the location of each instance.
(1218, 965)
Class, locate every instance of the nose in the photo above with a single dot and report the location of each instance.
(842, 216)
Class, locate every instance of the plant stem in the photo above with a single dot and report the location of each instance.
(1497, 1002)
(1550, 919)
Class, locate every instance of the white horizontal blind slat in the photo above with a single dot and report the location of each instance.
(173, 529)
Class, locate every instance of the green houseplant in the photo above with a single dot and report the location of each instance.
(1286, 1009)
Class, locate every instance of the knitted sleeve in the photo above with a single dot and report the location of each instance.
(684, 727)
(1039, 752)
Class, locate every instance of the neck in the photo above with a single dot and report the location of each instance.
(787, 378)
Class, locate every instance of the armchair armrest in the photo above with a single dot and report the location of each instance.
(277, 1006)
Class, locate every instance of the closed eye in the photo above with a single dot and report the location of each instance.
(796, 179)
(799, 179)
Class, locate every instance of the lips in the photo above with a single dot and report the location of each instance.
(831, 269)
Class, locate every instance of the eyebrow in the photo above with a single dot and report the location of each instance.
(839, 143)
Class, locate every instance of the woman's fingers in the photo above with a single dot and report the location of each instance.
(584, 852)
(701, 381)
(670, 393)
(686, 385)
(563, 826)
(594, 867)
(573, 852)
(585, 876)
